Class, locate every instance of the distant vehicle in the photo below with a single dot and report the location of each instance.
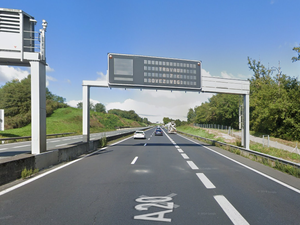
(139, 134)
(171, 127)
(158, 132)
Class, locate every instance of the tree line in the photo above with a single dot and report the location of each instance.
(15, 99)
(274, 104)
(178, 122)
(131, 114)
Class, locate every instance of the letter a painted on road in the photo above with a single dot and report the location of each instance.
(157, 216)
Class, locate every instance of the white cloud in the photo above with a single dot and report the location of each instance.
(155, 111)
(49, 69)
(102, 76)
(73, 103)
(162, 93)
(49, 78)
(224, 74)
(205, 73)
(8, 73)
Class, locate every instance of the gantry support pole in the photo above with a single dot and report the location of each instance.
(246, 122)
(85, 113)
(38, 107)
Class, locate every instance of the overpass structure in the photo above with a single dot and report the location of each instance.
(145, 72)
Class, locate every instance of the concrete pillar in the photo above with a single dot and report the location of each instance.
(38, 107)
(246, 122)
(85, 113)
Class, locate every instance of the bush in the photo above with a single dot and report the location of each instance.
(27, 173)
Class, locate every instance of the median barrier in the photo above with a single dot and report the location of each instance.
(11, 168)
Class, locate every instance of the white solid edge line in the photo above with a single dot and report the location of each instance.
(184, 156)
(51, 171)
(231, 212)
(248, 167)
(207, 183)
(134, 160)
(192, 165)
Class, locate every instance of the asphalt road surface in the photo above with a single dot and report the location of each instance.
(158, 180)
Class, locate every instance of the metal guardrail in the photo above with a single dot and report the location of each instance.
(29, 137)
(251, 152)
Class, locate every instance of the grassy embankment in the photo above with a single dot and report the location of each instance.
(253, 146)
(66, 120)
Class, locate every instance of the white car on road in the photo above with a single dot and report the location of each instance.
(139, 134)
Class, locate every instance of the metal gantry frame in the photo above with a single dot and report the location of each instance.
(17, 48)
(210, 85)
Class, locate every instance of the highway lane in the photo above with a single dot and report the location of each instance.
(11, 149)
(153, 181)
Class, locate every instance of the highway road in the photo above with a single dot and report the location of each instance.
(11, 149)
(165, 179)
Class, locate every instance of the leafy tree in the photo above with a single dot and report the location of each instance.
(16, 101)
(274, 103)
(79, 105)
(296, 49)
(178, 122)
(131, 114)
(146, 121)
(191, 116)
(221, 109)
(167, 120)
(99, 107)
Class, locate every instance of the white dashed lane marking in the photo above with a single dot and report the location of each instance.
(134, 160)
(232, 213)
(207, 183)
(192, 165)
(21, 146)
(184, 156)
(180, 150)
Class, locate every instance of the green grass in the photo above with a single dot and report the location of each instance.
(28, 172)
(67, 120)
(289, 169)
(279, 153)
(195, 131)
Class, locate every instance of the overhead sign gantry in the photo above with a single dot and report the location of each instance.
(146, 72)
(19, 47)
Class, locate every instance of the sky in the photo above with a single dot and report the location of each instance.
(222, 34)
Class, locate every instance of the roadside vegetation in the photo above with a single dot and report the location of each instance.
(253, 146)
(294, 171)
(66, 120)
(16, 102)
(28, 172)
(274, 105)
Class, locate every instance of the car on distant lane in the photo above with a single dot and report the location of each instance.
(158, 132)
(139, 134)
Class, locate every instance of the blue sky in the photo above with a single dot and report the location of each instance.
(222, 34)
